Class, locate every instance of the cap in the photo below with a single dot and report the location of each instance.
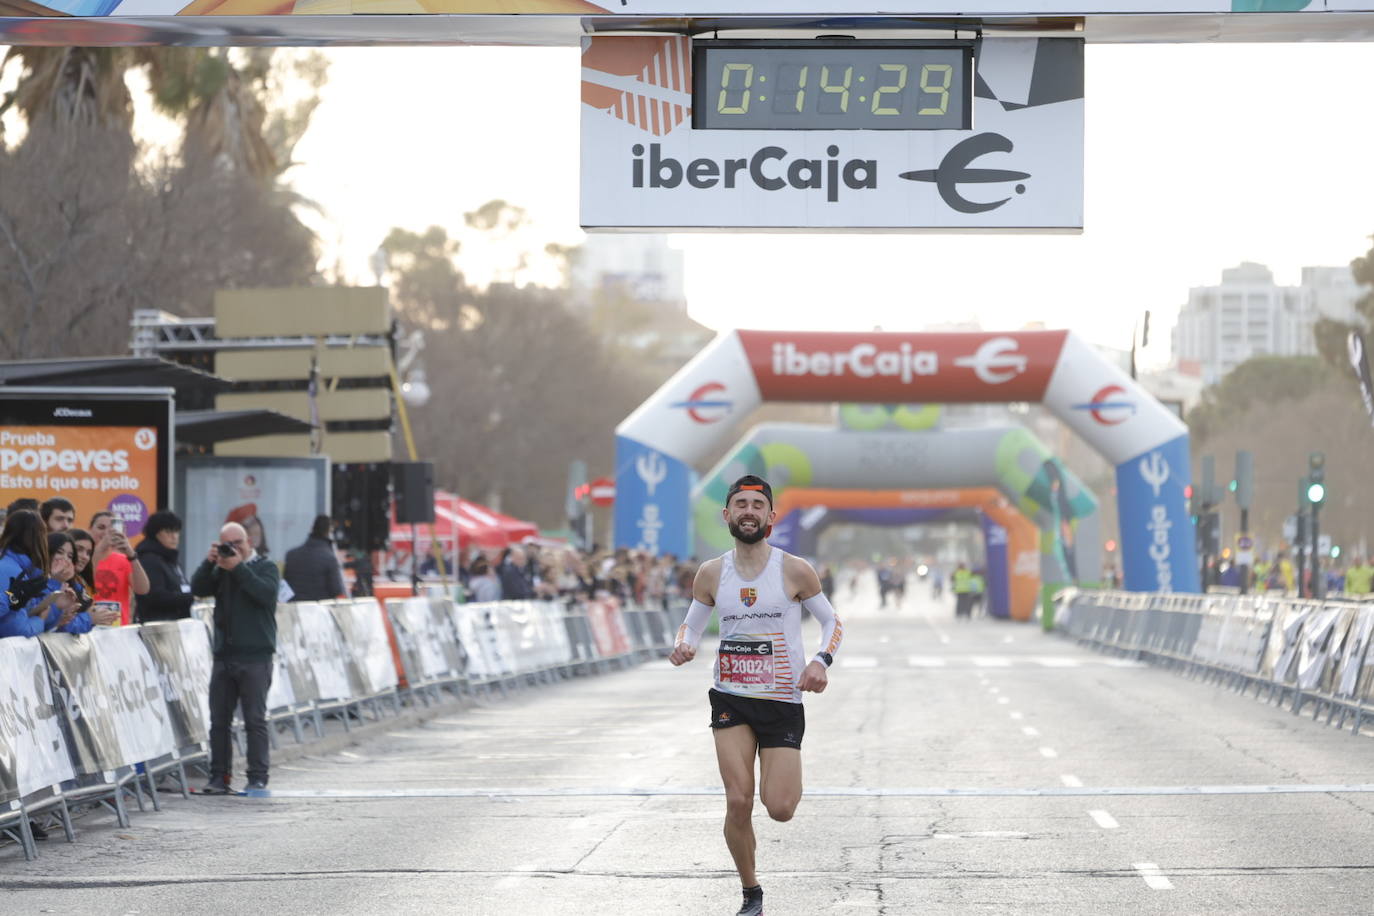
(750, 482)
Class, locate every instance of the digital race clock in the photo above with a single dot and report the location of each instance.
(832, 84)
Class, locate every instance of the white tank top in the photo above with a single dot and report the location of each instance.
(760, 653)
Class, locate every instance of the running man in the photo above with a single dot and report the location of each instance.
(760, 670)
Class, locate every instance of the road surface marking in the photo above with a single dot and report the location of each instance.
(1030, 731)
(859, 661)
(824, 791)
(925, 661)
(1055, 661)
(1016, 715)
(1049, 752)
(1103, 819)
(1004, 700)
(991, 661)
(1154, 878)
(1072, 781)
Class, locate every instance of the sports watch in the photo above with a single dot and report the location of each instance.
(825, 658)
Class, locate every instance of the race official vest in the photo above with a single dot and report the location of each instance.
(760, 653)
(963, 581)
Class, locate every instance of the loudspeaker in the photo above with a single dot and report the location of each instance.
(412, 485)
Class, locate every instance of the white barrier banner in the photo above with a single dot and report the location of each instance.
(1356, 645)
(321, 649)
(181, 651)
(135, 698)
(420, 642)
(33, 748)
(365, 638)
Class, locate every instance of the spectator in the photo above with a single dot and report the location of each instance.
(83, 542)
(58, 514)
(30, 606)
(23, 502)
(361, 564)
(119, 573)
(169, 594)
(483, 584)
(312, 569)
(244, 585)
(62, 560)
(515, 583)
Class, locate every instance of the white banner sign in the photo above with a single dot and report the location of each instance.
(33, 751)
(644, 165)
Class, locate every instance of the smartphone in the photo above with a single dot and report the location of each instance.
(117, 525)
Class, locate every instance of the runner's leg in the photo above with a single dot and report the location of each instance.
(780, 781)
(735, 750)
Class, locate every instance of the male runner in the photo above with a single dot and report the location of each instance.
(756, 707)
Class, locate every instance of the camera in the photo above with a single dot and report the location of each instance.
(226, 550)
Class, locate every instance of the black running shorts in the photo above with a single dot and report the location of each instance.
(775, 723)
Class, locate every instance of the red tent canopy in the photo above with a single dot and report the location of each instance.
(473, 524)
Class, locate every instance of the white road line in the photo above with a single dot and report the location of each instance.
(1103, 819)
(859, 661)
(1049, 752)
(1154, 878)
(1124, 663)
(994, 690)
(351, 756)
(991, 661)
(1004, 700)
(1030, 731)
(1071, 781)
(925, 661)
(1057, 661)
(1016, 715)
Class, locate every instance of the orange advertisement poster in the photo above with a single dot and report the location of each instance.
(98, 468)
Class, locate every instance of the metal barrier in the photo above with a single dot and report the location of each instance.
(100, 718)
(1300, 651)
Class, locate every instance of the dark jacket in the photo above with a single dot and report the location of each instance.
(245, 607)
(167, 599)
(312, 571)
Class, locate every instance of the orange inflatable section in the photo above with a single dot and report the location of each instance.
(1023, 538)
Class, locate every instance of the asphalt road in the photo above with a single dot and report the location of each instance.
(974, 768)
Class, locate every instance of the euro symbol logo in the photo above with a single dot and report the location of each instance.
(995, 361)
(651, 469)
(1154, 470)
(954, 170)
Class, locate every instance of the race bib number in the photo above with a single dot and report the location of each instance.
(746, 662)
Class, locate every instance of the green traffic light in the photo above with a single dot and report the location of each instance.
(1335, 552)
(1231, 486)
(1316, 493)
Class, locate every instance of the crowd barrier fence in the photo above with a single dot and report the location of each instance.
(1298, 651)
(99, 718)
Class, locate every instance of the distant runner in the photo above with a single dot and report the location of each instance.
(756, 707)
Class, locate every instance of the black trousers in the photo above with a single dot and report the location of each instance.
(242, 685)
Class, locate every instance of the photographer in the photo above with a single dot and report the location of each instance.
(244, 586)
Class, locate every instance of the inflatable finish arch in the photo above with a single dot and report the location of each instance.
(657, 445)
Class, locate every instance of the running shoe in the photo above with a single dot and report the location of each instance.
(753, 902)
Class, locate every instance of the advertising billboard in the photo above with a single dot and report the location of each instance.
(105, 449)
(275, 499)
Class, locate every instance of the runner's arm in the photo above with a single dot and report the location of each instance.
(703, 601)
(803, 582)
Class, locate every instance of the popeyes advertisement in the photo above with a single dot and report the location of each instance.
(68, 447)
(97, 468)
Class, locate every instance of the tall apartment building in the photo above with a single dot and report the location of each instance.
(1248, 314)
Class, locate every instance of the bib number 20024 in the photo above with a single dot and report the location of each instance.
(746, 662)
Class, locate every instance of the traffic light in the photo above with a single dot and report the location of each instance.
(1231, 486)
(1316, 477)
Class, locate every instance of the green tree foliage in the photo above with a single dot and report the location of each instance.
(91, 229)
(1259, 384)
(1331, 335)
(520, 384)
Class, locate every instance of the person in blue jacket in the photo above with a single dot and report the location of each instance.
(28, 603)
(62, 566)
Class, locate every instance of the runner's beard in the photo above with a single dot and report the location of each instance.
(748, 537)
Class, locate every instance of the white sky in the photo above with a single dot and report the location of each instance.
(1198, 156)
